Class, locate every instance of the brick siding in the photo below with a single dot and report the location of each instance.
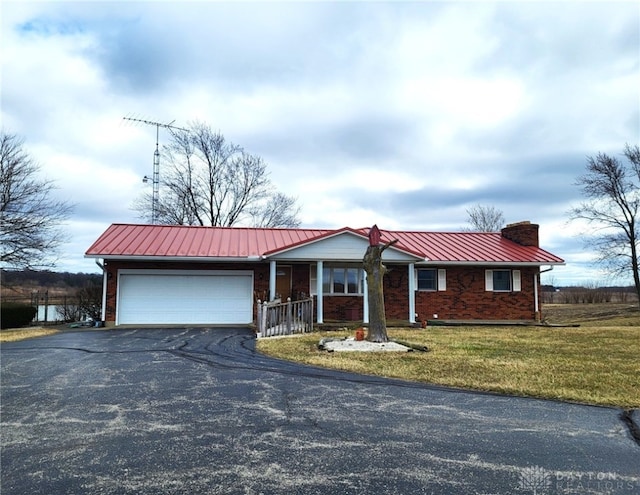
(464, 299)
(467, 299)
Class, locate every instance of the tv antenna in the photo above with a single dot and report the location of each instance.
(155, 179)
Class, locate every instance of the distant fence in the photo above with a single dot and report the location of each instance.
(588, 295)
(284, 318)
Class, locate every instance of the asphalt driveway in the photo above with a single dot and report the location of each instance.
(197, 411)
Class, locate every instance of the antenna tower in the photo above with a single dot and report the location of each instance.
(155, 180)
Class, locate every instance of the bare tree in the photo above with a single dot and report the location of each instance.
(277, 211)
(375, 271)
(211, 181)
(484, 218)
(30, 218)
(612, 189)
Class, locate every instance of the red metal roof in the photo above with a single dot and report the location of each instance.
(178, 241)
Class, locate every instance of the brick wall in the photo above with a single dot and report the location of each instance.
(341, 308)
(464, 299)
(467, 299)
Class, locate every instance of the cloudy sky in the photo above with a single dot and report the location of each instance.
(399, 114)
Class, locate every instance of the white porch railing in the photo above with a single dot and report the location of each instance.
(278, 318)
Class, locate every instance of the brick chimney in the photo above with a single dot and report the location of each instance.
(524, 233)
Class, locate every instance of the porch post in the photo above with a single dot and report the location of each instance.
(272, 280)
(319, 284)
(365, 302)
(412, 293)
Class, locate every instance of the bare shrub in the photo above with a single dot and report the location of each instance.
(85, 304)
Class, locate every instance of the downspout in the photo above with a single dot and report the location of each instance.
(535, 288)
(103, 310)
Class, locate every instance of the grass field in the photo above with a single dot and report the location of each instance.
(596, 362)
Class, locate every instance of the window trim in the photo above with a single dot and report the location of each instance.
(345, 268)
(440, 279)
(515, 280)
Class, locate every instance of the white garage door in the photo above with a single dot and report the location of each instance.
(184, 297)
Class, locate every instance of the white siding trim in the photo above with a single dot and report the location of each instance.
(345, 246)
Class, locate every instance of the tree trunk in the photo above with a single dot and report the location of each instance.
(375, 272)
(634, 262)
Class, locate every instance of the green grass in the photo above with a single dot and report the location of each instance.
(595, 364)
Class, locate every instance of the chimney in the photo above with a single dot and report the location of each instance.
(524, 233)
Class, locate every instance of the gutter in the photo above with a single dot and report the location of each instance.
(204, 259)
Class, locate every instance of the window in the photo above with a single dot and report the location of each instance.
(502, 280)
(431, 279)
(427, 279)
(342, 280)
(353, 279)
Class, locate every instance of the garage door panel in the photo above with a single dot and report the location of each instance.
(185, 299)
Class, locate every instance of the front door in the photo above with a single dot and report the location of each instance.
(283, 282)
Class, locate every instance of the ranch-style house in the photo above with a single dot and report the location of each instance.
(170, 274)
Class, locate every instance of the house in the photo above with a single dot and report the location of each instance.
(170, 274)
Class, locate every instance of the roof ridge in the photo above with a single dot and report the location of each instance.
(308, 229)
(233, 227)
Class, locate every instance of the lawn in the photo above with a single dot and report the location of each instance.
(13, 335)
(596, 362)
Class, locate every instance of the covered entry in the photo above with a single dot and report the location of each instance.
(184, 297)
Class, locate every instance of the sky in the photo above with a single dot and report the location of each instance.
(400, 114)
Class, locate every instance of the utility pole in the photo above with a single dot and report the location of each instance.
(155, 180)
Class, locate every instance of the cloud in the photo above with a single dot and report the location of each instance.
(403, 114)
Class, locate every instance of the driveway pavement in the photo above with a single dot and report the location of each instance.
(197, 411)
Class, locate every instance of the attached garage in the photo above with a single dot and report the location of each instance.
(184, 297)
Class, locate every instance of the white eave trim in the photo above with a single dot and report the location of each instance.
(490, 263)
(208, 259)
(253, 259)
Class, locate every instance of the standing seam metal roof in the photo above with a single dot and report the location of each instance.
(177, 241)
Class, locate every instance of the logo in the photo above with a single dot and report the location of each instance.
(535, 479)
